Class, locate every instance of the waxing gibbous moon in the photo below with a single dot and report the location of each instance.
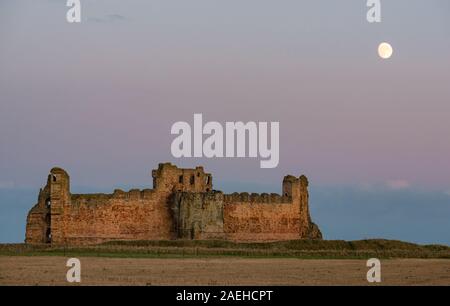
(385, 50)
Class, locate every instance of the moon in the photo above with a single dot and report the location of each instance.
(385, 50)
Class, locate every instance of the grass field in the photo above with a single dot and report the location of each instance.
(305, 249)
(299, 262)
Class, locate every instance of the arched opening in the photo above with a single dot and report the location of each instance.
(48, 236)
(48, 231)
(192, 180)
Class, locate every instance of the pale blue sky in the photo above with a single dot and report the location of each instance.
(98, 98)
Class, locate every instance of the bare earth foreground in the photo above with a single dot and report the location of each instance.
(51, 270)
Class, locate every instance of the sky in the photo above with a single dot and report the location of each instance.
(98, 99)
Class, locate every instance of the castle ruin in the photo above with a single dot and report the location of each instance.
(181, 205)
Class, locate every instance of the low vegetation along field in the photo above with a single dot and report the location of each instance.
(306, 249)
(226, 263)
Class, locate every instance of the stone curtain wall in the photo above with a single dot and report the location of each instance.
(133, 215)
(182, 205)
(198, 215)
(261, 221)
(269, 217)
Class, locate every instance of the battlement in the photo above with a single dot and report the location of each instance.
(101, 198)
(255, 198)
(242, 197)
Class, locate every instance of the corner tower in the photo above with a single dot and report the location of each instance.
(59, 199)
(170, 178)
(297, 190)
(45, 219)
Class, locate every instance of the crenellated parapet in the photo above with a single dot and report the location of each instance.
(257, 198)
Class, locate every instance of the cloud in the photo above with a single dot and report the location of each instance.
(447, 192)
(7, 184)
(397, 184)
(369, 187)
(116, 17)
(108, 18)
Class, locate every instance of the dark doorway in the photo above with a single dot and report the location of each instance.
(48, 236)
(48, 231)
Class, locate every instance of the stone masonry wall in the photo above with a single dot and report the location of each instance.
(133, 215)
(261, 221)
(269, 217)
(182, 205)
(198, 215)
